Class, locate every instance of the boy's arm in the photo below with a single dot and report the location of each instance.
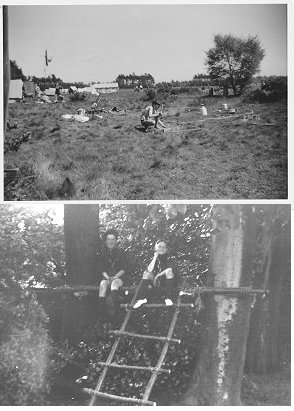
(152, 264)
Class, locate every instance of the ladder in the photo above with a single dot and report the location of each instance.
(119, 334)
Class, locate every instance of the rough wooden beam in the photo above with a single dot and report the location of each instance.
(146, 337)
(117, 397)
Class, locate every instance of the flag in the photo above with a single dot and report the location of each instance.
(47, 59)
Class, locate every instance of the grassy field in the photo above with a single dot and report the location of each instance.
(112, 158)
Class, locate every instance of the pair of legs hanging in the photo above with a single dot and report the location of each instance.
(109, 302)
(148, 284)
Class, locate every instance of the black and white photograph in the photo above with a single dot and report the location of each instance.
(145, 102)
(145, 304)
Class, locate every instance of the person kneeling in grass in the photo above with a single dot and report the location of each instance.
(159, 272)
(150, 116)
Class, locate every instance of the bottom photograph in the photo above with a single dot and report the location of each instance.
(145, 304)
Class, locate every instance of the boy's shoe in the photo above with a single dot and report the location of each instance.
(168, 302)
(139, 303)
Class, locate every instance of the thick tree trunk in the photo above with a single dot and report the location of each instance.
(81, 227)
(263, 348)
(218, 373)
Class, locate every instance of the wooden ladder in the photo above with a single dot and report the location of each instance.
(154, 370)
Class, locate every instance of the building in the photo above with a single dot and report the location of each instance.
(106, 87)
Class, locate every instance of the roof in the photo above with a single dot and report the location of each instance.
(105, 85)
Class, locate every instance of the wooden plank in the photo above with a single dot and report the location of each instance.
(133, 367)
(187, 305)
(216, 290)
(163, 352)
(95, 393)
(147, 337)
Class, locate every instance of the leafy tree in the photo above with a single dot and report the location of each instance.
(234, 60)
(16, 72)
(32, 253)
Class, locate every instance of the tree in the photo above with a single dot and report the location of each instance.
(16, 72)
(270, 316)
(218, 372)
(81, 230)
(234, 60)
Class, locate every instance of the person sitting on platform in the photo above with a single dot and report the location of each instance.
(113, 267)
(159, 273)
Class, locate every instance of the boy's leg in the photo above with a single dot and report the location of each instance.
(146, 285)
(104, 285)
(170, 285)
(113, 300)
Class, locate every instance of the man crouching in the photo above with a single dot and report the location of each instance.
(150, 116)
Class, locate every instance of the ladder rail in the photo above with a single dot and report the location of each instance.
(163, 352)
(112, 352)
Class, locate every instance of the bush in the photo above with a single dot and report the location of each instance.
(272, 89)
(78, 96)
(24, 349)
(150, 94)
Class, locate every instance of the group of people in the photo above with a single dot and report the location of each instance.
(159, 275)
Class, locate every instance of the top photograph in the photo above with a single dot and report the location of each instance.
(145, 102)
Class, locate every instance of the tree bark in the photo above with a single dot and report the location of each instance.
(81, 228)
(218, 373)
(263, 347)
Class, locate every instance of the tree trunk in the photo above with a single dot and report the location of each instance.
(81, 228)
(263, 347)
(6, 66)
(218, 373)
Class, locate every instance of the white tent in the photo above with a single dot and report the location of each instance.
(15, 89)
(50, 92)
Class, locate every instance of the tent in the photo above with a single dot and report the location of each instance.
(72, 90)
(50, 92)
(15, 89)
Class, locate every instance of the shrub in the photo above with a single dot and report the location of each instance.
(24, 348)
(150, 94)
(78, 96)
(273, 89)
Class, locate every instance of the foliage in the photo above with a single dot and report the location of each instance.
(268, 90)
(32, 246)
(24, 348)
(184, 228)
(128, 81)
(16, 72)
(78, 96)
(234, 60)
(150, 94)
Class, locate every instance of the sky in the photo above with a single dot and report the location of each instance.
(169, 41)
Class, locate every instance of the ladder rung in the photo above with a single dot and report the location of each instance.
(117, 397)
(150, 337)
(134, 367)
(159, 305)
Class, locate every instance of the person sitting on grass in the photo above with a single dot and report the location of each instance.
(113, 267)
(159, 273)
(150, 116)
